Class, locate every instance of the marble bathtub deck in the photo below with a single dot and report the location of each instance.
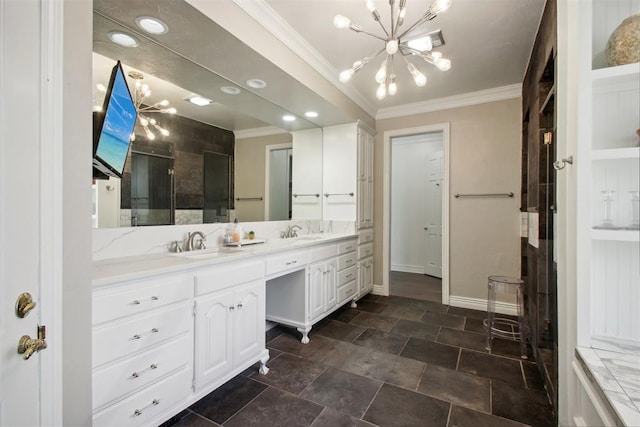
(618, 377)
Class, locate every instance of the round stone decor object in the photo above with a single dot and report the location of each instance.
(623, 46)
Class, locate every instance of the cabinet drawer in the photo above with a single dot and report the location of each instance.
(323, 252)
(347, 246)
(347, 275)
(137, 297)
(365, 250)
(222, 277)
(346, 261)
(119, 339)
(144, 407)
(365, 236)
(286, 261)
(347, 291)
(133, 373)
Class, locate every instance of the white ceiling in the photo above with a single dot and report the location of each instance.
(488, 41)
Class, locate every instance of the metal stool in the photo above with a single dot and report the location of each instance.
(497, 326)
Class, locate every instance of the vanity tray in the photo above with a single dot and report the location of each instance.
(245, 242)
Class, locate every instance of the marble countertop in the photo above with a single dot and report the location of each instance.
(130, 268)
(617, 375)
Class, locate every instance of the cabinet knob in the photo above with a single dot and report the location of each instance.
(240, 305)
(232, 308)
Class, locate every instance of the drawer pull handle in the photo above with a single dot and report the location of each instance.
(135, 302)
(350, 291)
(232, 308)
(137, 374)
(138, 412)
(294, 261)
(240, 305)
(138, 336)
(154, 298)
(288, 263)
(349, 275)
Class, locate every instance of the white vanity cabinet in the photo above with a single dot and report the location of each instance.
(142, 349)
(229, 322)
(322, 278)
(365, 179)
(307, 175)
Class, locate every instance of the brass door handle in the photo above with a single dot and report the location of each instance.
(27, 346)
(24, 304)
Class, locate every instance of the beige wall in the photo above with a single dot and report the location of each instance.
(485, 157)
(249, 170)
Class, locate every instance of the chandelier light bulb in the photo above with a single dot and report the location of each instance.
(341, 22)
(393, 87)
(153, 121)
(382, 91)
(418, 77)
(150, 135)
(370, 5)
(381, 75)
(392, 46)
(402, 13)
(346, 75)
(436, 55)
(101, 87)
(164, 103)
(171, 110)
(440, 6)
(144, 122)
(164, 132)
(443, 64)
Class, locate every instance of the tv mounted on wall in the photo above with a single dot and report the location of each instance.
(113, 127)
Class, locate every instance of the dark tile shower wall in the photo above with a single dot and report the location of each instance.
(188, 141)
(538, 194)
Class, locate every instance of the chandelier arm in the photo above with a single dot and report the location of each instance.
(374, 35)
(426, 17)
(393, 29)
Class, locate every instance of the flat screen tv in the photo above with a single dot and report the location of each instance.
(113, 127)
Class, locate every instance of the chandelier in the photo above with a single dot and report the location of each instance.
(141, 92)
(400, 41)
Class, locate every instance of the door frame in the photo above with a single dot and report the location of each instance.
(386, 201)
(267, 171)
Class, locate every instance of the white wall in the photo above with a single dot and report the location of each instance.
(409, 177)
(485, 157)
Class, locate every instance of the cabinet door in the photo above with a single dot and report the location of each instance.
(330, 285)
(316, 289)
(213, 345)
(369, 276)
(248, 321)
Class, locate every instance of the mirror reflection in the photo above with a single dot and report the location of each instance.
(201, 171)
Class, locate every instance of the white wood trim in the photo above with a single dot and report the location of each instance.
(481, 305)
(592, 395)
(386, 205)
(51, 203)
(456, 101)
(419, 269)
(267, 171)
(272, 22)
(255, 132)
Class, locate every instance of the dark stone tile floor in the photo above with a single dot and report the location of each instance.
(392, 361)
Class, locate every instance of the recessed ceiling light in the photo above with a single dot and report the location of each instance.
(123, 39)
(311, 114)
(200, 101)
(288, 118)
(152, 25)
(256, 83)
(230, 90)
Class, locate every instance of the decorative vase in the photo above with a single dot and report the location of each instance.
(623, 46)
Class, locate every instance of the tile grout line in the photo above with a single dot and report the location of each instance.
(449, 414)
(459, 358)
(524, 377)
(382, 383)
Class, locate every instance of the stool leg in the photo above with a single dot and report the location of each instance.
(522, 324)
(491, 298)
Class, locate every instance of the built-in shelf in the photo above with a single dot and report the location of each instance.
(616, 235)
(622, 74)
(616, 153)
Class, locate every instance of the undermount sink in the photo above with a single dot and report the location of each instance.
(208, 253)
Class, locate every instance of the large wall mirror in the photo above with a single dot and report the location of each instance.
(233, 158)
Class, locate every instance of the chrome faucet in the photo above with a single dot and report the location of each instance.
(191, 244)
(292, 231)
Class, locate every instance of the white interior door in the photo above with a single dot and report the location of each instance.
(20, 268)
(433, 228)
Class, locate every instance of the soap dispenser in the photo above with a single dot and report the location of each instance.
(237, 231)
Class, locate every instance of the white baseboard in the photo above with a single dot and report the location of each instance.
(481, 304)
(407, 268)
(379, 290)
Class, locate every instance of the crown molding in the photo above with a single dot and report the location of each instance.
(272, 22)
(464, 100)
(255, 132)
